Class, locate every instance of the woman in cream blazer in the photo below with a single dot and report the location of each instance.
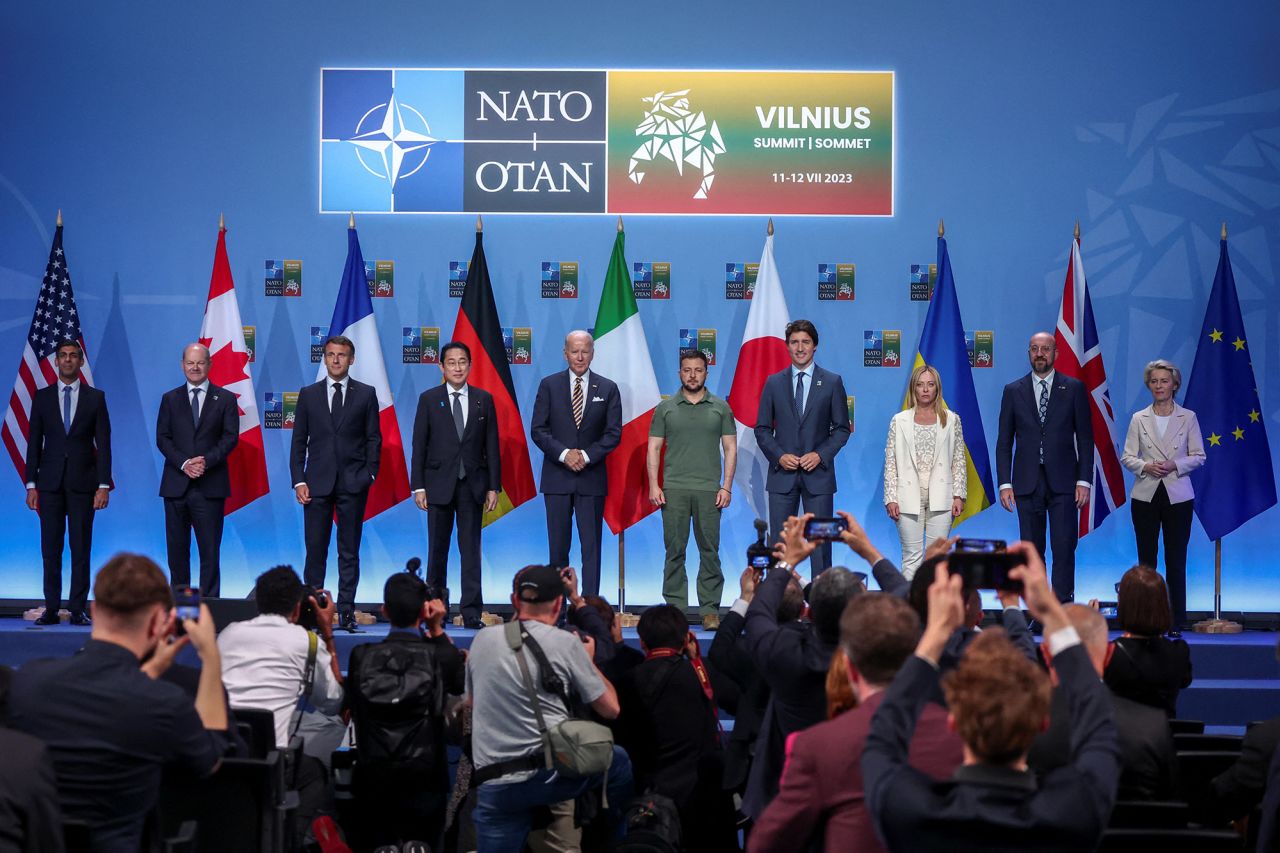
(925, 481)
(1163, 446)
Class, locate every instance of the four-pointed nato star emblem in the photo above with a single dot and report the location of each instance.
(383, 131)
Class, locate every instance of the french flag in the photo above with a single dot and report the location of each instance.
(353, 318)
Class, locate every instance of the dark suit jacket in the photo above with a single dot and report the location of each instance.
(985, 808)
(1067, 431)
(553, 430)
(821, 803)
(1148, 760)
(342, 457)
(1150, 670)
(436, 448)
(1240, 787)
(30, 819)
(79, 460)
(729, 656)
(179, 440)
(823, 428)
(794, 662)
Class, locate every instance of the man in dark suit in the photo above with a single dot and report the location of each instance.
(821, 802)
(998, 701)
(456, 471)
(68, 477)
(802, 424)
(1044, 457)
(333, 461)
(196, 430)
(577, 421)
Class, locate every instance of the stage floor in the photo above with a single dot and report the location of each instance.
(1237, 676)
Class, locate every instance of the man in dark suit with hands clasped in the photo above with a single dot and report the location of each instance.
(333, 460)
(577, 421)
(197, 428)
(68, 476)
(456, 471)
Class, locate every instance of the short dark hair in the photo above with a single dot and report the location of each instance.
(878, 632)
(801, 326)
(918, 592)
(69, 342)
(444, 350)
(1142, 603)
(342, 341)
(278, 590)
(603, 608)
(828, 595)
(663, 627)
(686, 354)
(403, 595)
(127, 584)
(791, 606)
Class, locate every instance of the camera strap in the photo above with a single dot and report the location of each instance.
(308, 680)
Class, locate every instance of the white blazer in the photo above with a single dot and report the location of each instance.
(900, 460)
(1181, 445)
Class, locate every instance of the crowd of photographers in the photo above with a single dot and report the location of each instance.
(861, 720)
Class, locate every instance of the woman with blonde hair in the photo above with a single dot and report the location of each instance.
(925, 482)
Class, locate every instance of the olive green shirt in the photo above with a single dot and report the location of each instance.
(693, 433)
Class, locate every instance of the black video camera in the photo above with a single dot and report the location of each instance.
(307, 616)
(434, 593)
(759, 554)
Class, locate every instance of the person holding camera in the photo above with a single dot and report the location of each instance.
(396, 691)
(998, 702)
(526, 679)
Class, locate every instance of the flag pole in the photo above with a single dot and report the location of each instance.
(622, 544)
(1218, 625)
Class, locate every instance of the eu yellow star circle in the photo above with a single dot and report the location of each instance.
(1238, 433)
(1216, 336)
(1238, 343)
(1253, 416)
(1215, 440)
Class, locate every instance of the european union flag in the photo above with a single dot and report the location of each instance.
(1236, 482)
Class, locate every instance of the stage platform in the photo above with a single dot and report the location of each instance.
(1237, 676)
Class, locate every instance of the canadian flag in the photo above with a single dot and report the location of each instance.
(222, 333)
(763, 353)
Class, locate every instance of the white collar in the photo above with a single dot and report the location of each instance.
(74, 386)
(1048, 377)
(808, 371)
(203, 386)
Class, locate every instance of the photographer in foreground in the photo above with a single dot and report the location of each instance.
(998, 703)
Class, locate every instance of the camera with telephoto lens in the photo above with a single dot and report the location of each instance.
(434, 593)
(307, 616)
(759, 554)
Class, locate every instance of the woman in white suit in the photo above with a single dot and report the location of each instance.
(1162, 448)
(925, 481)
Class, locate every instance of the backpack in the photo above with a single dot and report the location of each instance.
(399, 705)
(652, 824)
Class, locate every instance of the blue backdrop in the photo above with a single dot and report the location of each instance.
(1150, 123)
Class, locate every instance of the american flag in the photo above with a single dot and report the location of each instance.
(1080, 356)
(55, 319)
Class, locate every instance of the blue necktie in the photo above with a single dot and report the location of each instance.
(799, 395)
(66, 408)
(195, 406)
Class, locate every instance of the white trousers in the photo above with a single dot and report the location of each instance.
(916, 532)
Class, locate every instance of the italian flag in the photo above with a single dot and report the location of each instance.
(622, 354)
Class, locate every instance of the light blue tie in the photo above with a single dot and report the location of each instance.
(66, 408)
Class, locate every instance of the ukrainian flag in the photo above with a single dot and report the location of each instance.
(942, 345)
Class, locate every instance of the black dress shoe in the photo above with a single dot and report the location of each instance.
(348, 623)
(1175, 634)
(473, 624)
(79, 618)
(47, 618)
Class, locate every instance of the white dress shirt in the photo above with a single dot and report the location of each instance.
(464, 398)
(264, 660)
(330, 383)
(586, 389)
(808, 383)
(204, 395)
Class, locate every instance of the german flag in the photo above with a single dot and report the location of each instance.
(478, 327)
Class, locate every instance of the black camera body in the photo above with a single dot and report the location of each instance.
(307, 616)
(759, 554)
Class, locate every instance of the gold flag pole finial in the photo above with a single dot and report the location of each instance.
(619, 224)
(60, 219)
(1077, 231)
(769, 231)
(1224, 228)
(222, 222)
(941, 230)
(351, 220)
(479, 224)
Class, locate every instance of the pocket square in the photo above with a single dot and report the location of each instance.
(597, 399)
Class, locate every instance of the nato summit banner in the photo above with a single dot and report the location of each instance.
(426, 140)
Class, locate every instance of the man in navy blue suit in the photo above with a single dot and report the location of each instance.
(802, 424)
(333, 460)
(456, 472)
(577, 421)
(1044, 458)
(197, 428)
(68, 477)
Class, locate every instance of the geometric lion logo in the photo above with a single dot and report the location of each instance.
(673, 131)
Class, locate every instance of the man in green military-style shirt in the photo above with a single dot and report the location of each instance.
(692, 423)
